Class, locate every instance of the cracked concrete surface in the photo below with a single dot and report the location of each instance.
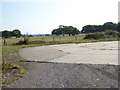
(90, 53)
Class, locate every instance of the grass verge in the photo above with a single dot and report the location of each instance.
(9, 70)
(23, 60)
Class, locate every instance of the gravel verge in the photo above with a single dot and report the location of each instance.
(65, 75)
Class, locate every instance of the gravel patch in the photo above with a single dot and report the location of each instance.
(64, 75)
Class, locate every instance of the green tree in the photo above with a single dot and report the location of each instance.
(99, 28)
(57, 32)
(89, 29)
(70, 30)
(16, 33)
(109, 26)
(118, 27)
(6, 34)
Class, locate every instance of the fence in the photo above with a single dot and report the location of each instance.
(13, 40)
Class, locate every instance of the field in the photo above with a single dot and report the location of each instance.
(46, 38)
(36, 41)
(9, 51)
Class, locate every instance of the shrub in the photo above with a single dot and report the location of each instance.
(22, 42)
(25, 42)
(119, 34)
(111, 32)
(102, 35)
(36, 42)
(97, 35)
(30, 35)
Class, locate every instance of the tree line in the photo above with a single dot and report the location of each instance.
(101, 28)
(8, 34)
(70, 30)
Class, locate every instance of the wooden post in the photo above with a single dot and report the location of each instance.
(42, 39)
(75, 38)
(59, 38)
(5, 42)
(53, 38)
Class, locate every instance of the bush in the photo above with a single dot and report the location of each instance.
(111, 33)
(23, 42)
(102, 35)
(97, 35)
(119, 34)
(30, 35)
(36, 42)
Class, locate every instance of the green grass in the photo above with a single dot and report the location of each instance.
(56, 38)
(12, 40)
(45, 38)
(8, 49)
(23, 60)
(8, 66)
(3, 85)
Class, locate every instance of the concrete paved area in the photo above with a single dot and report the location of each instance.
(84, 65)
(86, 53)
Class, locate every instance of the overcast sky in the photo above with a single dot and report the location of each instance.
(42, 16)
